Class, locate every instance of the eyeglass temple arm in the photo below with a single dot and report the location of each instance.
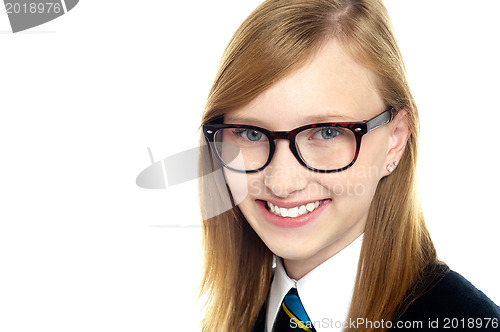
(380, 119)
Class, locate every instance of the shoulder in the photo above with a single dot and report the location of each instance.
(450, 300)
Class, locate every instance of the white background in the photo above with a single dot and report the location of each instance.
(82, 248)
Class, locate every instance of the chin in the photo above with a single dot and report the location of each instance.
(291, 248)
(293, 253)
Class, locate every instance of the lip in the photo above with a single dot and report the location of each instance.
(286, 222)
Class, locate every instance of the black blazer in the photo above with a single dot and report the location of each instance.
(442, 300)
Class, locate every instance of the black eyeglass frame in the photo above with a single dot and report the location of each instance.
(358, 128)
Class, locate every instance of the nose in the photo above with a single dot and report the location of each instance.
(284, 175)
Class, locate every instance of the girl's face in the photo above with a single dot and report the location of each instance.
(332, 87)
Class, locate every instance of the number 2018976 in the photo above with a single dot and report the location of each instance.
(33, 8)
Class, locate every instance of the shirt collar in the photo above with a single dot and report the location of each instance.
(325, 291)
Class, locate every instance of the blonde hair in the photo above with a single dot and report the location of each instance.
(276, 39)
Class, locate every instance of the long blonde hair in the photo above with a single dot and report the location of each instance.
(276, 39)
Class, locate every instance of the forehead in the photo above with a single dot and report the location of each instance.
(330, 87)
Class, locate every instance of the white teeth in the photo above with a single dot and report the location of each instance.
(295, 211)
(310, 207)
(270, 206)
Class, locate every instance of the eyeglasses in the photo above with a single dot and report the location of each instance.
(321, 147)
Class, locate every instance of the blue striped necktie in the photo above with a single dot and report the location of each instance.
(292, 316)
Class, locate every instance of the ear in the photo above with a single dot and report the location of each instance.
(399, 134)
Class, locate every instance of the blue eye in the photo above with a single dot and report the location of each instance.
(250, 135)
(253, 135)
(328, 133)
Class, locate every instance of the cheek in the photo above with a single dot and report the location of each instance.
(243, 185)
(353, 190)
(361, 180)
(358, 182)
(351, 195)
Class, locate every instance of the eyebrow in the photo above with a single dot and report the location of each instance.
(327, 117)
(316, 118)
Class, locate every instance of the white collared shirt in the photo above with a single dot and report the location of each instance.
(325, 291)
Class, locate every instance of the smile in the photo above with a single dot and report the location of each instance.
(294, 211)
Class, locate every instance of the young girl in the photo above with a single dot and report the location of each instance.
(313, 122)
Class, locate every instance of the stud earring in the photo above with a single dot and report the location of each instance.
(392, 166)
